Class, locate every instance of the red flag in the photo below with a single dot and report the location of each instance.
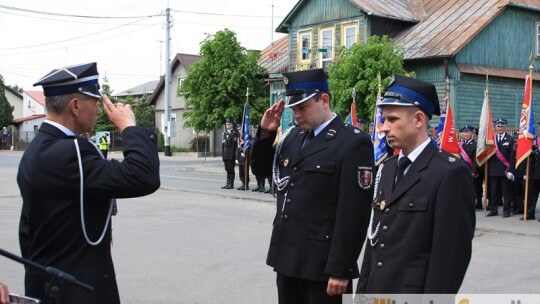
(449, 142)
(352, 116)
(526, 125)
(486, 139)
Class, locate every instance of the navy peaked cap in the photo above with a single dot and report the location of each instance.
(501, 122)
(83, 78)
(303, 85)
(466, 128)
(361, 121)
(410, 92)
(229, 121)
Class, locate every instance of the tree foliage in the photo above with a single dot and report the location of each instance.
(215, 88)
(6, 109)
(358, 67)
(145, 114)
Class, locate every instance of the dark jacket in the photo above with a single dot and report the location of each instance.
(425, 228)
(506, 148)
(321, 229)
(50, 231)
(229, 144)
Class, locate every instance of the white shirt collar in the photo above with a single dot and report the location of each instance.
(416, 152)
(62, 128)
(321, 127)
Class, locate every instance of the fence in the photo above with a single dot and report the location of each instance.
(19, 140)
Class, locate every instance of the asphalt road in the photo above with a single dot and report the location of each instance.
(192, 242)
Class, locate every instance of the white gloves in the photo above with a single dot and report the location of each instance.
(510, 176)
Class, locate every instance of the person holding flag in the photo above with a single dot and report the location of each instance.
(467, 151)
(501, 168)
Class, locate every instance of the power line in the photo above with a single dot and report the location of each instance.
(74, 16)
(224, 15)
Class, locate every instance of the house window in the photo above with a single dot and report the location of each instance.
(326, 44)
(305, 46)
(537, 39)
(350, 35)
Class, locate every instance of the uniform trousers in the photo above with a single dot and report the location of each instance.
(301, 291)
(498, 184)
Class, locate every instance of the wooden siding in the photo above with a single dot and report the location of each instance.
(505, 95)
(323, 12)
(496, 45)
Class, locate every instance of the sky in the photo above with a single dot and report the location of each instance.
(125, 38)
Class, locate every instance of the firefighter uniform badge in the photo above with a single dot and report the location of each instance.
(365, 177)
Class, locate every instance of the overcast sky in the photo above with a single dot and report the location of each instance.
(38, 36)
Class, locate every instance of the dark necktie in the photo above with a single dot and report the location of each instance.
(309, 137)
(402, 164)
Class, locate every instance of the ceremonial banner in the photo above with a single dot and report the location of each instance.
(486, 141)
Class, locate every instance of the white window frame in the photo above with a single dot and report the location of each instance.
(329, 55)
(304, 57)
(346, 27)
(537, 39)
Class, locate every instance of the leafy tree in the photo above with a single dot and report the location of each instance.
(16, 88)
(215, 88)
(144, 112)
(6, 110)
(358, 67)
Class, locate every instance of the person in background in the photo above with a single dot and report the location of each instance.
(68, 190)
(501, 169)
(323, 170)
(421, 228)
(229, 145)
(468, 155)
(361, 124)
(104, 144)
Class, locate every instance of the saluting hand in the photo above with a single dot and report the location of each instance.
(272, 117)
(119, 114)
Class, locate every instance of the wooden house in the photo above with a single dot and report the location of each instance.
(461, 40)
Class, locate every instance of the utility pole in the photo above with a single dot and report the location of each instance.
(167, 126)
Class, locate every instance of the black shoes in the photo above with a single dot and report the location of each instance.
(528, 218)
(506, 214)
(492, 213)
(243, 187)
(256, 189)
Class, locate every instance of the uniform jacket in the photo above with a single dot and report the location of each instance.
(506, 146)
(229, 145)
(50, 231)
(322, 213)
(423, 244)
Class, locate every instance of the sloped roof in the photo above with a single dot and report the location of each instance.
(13, 92)
(186, 59)
(38, 96)
(450, 27)
(145, 88)
(27, 118)
(275, 57)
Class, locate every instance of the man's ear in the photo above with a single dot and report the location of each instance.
(420, 118)
(325, 98)
(73, 106)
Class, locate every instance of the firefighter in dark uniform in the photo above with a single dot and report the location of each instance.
(241, 160)
(229, 145)
(468, 155)
(324, 175)
(534, 182)
(421, 228)
(501, 170)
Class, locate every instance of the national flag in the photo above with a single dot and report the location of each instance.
(448, 140)
(378, 137)
(245, 128)
(351, 119)
(526, 125)
(486, 139)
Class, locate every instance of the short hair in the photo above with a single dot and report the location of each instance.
(57, 103)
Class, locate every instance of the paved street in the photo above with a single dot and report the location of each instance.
(192, 242)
